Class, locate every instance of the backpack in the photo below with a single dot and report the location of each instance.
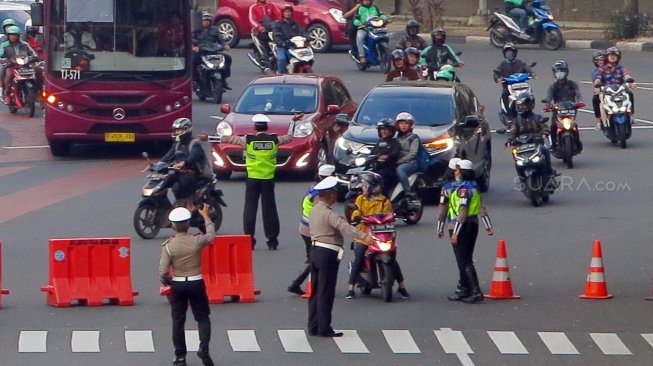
(205, 169)
(422, 158)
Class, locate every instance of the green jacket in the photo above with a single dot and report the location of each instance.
(366, 13)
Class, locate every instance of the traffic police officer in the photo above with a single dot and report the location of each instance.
(261, 164)
(183, 253)
(326, 233)
(463, 209)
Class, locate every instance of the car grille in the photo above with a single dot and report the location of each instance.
(236, 156)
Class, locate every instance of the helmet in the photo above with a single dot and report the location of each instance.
(438, 36)
(412, 51)
(8, 22)
(183, 124)
(412, 27)
(598, 56)
(560, 70)
(614, 51)
(207, 16)
(287, 7)
(386, 123)
(405, 116)
(13, 30)
(397, 55)
(525, 102)
(260, 119)
(31, 29)
(453, 163)
(509, 47)
(464, 164)
(445, 75)
(372, 181)
(179, 214)
(326, 170)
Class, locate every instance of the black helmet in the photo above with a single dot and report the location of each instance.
(185, 125)
(32, 30)
(207, 16)
(560, 70)
(509, 47)
(525, 102)
(397, 55)
(412, 51)
(372, 181)
(438, 36)
(387, 123)
(598, 56)
(614, 51)
(412, 27)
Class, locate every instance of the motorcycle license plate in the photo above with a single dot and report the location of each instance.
(119, 137)
(525, 147)
(381, 228)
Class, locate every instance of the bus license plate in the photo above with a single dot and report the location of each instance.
(119, 137)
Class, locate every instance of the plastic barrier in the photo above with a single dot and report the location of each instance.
(3, 291)
(501, 287)
(596, 287)
(89, 271)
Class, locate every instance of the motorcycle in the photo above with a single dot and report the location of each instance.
(541, 28)
(530, 164)
(152, 211)
(564, 116)
(210, 83)
(263, 57)
(23, 89)
(376, 46)
(616, 113)
(431, 73)
(380, 257)
(301, 56)
(517, 84)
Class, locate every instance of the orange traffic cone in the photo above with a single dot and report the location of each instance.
(309, 289)
(501, 287)
(595, 287)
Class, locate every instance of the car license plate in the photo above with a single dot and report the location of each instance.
(119, 137)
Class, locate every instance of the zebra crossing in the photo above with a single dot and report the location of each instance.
(398, 341)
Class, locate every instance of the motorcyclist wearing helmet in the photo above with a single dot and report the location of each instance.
(283, 30)
(188, 157)
(529, 122)
(387, 151)
(439, 53)
(510, 65)
(412, 37)
(401, 72)
(366, 11)
(562, 90)
(261, 17)
(409, 142)
(519, 10)
(611, 73)
(35, 39)
(208, 38)
(598, 58)
(370, 202)
(412, 60)
(10, 49)
(5, 24)
(349, 11)
(446, 73)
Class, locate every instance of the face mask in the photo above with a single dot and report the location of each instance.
(510, 55)
(560, 75)
(459, 179)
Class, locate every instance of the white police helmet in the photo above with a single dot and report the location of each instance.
(326, 170)
(179, 214)
(453, 163)
(465, 164)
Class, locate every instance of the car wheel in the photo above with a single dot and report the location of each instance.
(484, 180)
(322, 155)
(59, 148)
(228, 31)
(320, 37)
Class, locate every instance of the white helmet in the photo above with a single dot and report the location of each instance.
(179, 214)
(465, 164)
(405, 116)
(453, 163)
(326, 170)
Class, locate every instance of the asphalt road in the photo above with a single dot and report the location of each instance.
(605, 197)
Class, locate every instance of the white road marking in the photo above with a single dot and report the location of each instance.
(455, 342)
(243, 340)
(610, 344)
(32, 341)
(26, 147)
(294, 341)
(85, 341)
(192, 340)
(139, 341)
(507, 343)
(558, 343)
(400, 341)
(350, 342)
(648, 337)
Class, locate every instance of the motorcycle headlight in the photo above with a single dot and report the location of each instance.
(439, 145)
(224, 129)
(303, 129)
(344, 144)
(384, 245)
(147, 192)
(359, 161)
(20, 61)
(566, 123)
(536, 159)
(337, 15)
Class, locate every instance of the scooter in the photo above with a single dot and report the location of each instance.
(210, 83)
(541, 28)
(301, 56)
(261, 56)
(568, 136)
(376, 46)
(23, 89)
(152, 211)
(516, 84)
(380, 257)
(616, 113)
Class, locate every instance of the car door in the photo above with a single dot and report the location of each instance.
(469, 137)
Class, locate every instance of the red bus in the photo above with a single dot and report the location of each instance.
(116, 71)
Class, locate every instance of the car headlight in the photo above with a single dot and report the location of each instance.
(337, 15)
(303, 129)
(439, 145)
(224, 129)
(344, 144)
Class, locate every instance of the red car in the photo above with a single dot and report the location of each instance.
(322, 19)
(319, 97)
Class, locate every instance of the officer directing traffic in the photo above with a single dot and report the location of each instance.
(261, 164)
(183, 254)
(326, 233)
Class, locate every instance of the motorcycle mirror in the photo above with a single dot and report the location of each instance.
(342, 118)
(333, 109)
(459, 53)
(544, 101)
(145, 155)
(501, 131)
(532, 64)
(545, 120)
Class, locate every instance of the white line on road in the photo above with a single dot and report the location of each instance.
(636, 119)
(294, 341)
(507, 343)
(558, 343)
(85, 341)
(243, 340)
(610, 344)
(455, 342)
(139, 341)
(25, 147)
(400, 341)
(33, 341)
(192, 340)
(350, 342)
(639, 85)
(648, 337)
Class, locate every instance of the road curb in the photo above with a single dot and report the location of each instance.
(571, 44)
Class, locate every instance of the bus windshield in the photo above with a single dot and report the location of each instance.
(104, 39)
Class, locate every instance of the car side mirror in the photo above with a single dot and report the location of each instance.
(501, 131)
(36, 11)
(544, 101)
(342, 118)
(225, 108)
(333, 109)
(471, 122)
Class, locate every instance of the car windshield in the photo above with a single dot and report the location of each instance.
(278, 99)
(429, 109)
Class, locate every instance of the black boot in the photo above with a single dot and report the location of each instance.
(460, 293)
(475, 294)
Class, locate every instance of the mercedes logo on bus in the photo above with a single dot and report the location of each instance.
(119, 114)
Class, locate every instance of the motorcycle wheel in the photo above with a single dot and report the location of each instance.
(304, 69)
(533, 187)
(414, 217)
(361, 67)
(13, 109)
(30, 101)
(217, 88)
(568, 152)
(622, 135)
(366, 290)
(499, 36)
(145, 221)
(552, 39)
(384, 59)
(388, 280)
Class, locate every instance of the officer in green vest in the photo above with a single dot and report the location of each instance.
(261, 164)
(464, 209)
